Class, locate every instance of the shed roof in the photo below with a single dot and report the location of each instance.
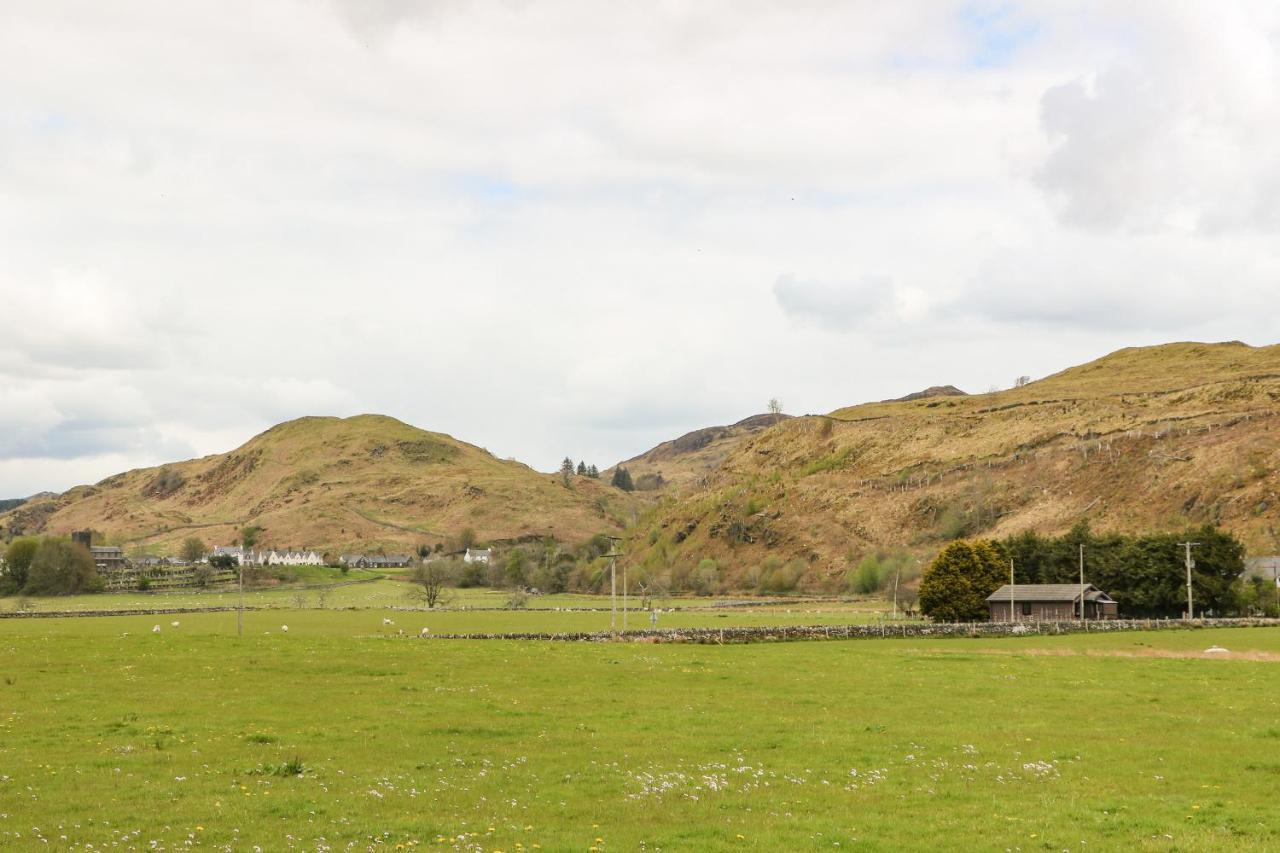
(1261, 565)
(1048, 592)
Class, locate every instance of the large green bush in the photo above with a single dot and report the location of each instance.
(17, 564)
(61, 567)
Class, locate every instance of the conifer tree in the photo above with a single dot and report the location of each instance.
(956, 584)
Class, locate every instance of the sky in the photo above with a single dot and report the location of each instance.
(580, 228)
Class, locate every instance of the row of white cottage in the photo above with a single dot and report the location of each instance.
(248, 557)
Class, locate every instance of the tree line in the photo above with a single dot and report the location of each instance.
(1144, 573)
(49, 565)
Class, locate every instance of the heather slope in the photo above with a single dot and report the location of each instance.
(1144, 439)
(358, 483)
(684, 462)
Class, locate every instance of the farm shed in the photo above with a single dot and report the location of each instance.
(1049, 602)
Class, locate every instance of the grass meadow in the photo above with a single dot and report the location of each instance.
(341, 735)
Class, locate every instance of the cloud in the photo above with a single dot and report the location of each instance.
(837, 306)
(556, 228)
(79, 322)
(1178, 135)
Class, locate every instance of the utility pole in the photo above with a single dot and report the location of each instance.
(240, 612)
(1081, 581)
(1011, 616)
(897, 575)
(1191, 564)
(613, 585)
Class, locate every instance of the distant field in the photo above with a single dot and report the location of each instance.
(369, 622)
(335, 590)
(112, 734)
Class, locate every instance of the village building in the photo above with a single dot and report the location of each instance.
(1263, 567)
(107, 558)
(1049, 602)
(478, 555)
(243, 556)
(376, 561)
(292, 558)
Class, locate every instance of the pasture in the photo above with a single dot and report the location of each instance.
(341, 735)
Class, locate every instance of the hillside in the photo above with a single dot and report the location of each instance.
(1144, 439)
(685, 461)
(358, 483)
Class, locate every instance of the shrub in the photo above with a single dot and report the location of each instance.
(473, 574)
(165, 483)
(17, 563)
(60, 567)
(868, 577)
(681, 577)
(706, 578)
(783, 578)
(516, 568)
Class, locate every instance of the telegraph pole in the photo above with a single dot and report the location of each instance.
(1081, 581)
(240, 612)
(613, 585)
(1011, 616)
(897, 575)
(1191, 564)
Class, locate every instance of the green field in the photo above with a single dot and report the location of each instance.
(112, 733)
(335, 590)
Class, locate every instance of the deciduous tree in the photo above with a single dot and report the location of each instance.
(61, 567)
(17, 562)
(193, 549)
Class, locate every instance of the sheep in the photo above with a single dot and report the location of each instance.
(155, 629)
(284, 628)
(424, 632)
(174, 623)
(387, 621)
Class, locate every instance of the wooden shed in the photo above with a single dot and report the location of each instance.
(1048, 602)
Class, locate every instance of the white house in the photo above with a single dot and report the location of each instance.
(478, 555)
(293, 558)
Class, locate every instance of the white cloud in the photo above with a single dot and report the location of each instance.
(558, 228)
(833, 305)
(1180, 135)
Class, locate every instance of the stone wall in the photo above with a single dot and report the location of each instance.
(789, 633)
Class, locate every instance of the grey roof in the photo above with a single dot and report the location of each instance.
(1048, 592)
(1262, 565)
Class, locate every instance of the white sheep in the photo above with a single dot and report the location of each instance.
(386, 621)
(174, 623)
(156, 629)
(424, 632)
(284, 628)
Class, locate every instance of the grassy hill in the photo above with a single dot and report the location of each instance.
(358, 483)
(684, 462)
(1144, 439)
